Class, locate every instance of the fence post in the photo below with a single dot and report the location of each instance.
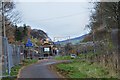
(18, 54)
(5, 54)
(1, 41)
(1, 56)
(8, 51)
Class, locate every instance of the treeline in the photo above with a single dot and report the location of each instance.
(104, 19)
(104, 25)
(18, 35)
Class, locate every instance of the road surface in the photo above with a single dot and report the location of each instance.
(39, 70)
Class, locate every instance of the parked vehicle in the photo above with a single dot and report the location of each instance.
(73, 56)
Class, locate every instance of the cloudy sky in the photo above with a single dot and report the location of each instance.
(57, 19)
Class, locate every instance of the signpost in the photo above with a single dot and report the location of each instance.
(29, 44)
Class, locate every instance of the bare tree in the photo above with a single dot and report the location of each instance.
(11, 14)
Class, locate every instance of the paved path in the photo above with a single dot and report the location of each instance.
(39, 70)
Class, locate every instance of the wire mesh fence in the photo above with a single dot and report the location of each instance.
(11, 56)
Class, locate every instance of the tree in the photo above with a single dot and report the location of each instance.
(68, 48)
(104, 21)
(18, 34)
(25, 32)
(106, 15)
(10, 13)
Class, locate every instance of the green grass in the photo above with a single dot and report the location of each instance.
(15, 70)
(29, 61)
(80, 56)
(62, 57)
(82, 69)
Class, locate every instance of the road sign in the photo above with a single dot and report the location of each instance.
(29, 43)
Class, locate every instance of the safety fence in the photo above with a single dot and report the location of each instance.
(11, 55)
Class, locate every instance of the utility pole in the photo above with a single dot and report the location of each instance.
(3, 19)
(0, 40)
(118, 46)
(0, 19)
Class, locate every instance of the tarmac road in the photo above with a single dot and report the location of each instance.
(39, 70)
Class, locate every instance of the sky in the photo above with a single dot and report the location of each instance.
(57, 19)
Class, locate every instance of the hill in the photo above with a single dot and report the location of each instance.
(73, 40)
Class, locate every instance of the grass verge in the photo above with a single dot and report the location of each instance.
(62, 57)
(82, 69)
